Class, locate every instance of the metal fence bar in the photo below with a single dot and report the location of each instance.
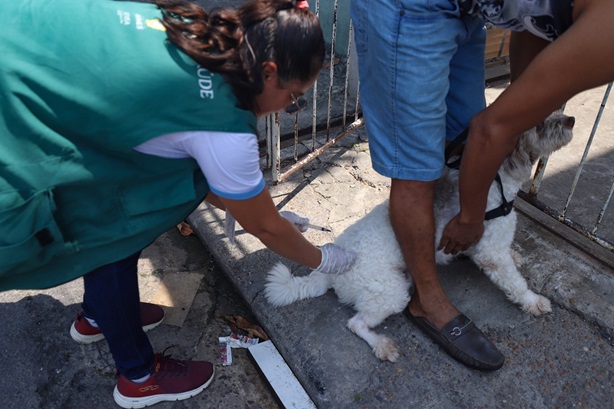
(555, 214)
(357, 101)
(274, 138)
(541, 168)
(269, 142)
(311, 156)
(279, 174)
(314, 112)
(588, 147)
(348, 61)
(332, 69)
(561, 216)
(603, 209)
(296, 137)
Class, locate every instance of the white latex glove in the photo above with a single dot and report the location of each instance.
(301, 223)
(335, 260)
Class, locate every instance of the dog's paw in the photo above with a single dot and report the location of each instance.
(537, 305)
(386, 350)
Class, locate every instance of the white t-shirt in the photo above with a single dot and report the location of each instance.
(229, 161)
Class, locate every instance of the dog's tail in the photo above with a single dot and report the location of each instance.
(282, 288)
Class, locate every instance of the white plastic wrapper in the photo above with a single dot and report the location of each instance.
(233, 341)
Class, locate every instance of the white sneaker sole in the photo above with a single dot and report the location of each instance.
(88, 339)
(135, 403)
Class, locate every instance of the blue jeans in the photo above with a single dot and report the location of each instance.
(112, 299)
(421, 70)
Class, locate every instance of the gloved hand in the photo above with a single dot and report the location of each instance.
(299, 222)
(335, 260)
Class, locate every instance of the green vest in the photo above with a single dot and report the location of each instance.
(82, 83)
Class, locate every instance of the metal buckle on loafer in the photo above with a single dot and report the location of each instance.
(456, 331)
(461, 328)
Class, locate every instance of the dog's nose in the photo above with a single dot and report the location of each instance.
(570, 121)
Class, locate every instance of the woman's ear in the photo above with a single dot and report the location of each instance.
(269, 71)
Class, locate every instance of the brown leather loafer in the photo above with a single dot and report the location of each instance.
(463, 341)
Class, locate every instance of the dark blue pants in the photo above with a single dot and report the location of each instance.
(112, 299)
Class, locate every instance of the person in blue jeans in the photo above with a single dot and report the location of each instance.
(116, 120)
(421, 71)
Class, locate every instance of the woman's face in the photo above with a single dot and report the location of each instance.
(275, 95)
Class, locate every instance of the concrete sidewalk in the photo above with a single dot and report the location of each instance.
(562, 360)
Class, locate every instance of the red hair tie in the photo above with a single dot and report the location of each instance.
(302, 4)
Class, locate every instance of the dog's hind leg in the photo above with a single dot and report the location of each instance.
(503, 273)
(383, 347)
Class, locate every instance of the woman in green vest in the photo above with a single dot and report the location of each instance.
(116, 120)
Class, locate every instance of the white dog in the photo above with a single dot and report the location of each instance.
(377, 286)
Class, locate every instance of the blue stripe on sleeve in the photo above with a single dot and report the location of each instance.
(240, 196)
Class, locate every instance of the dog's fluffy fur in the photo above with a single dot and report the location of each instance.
(376, 284)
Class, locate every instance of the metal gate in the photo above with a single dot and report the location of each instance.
(594, 222)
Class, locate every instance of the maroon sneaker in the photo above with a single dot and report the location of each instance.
(171, 380)
(82, 332)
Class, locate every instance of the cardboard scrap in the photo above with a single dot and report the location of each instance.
(176, 294)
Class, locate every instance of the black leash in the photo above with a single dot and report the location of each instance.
(506, 206)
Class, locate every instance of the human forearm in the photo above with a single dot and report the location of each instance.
(282, 234)
(493, 133)
(259, 217)
(487, 147)
(285, 240)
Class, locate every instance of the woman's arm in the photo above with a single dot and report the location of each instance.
(215, 200)
(259, 217)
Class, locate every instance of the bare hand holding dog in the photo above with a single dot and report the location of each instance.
(458, 236)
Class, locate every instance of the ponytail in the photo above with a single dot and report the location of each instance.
(236, 42)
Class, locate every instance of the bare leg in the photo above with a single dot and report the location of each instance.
(412, 219)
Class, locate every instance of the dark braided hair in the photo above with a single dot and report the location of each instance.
(236, 42)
